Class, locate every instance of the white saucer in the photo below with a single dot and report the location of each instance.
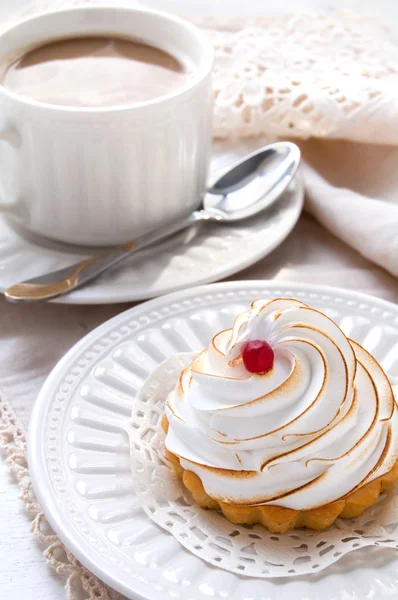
(194, 257)
(79, 454)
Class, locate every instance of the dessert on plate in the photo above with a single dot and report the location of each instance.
(283, 421)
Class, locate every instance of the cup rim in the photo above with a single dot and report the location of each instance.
(202, 72)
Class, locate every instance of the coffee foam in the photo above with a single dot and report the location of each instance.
(94, 72)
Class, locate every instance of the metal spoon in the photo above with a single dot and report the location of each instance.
(248, 187)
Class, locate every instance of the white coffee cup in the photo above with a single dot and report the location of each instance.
(100, 176)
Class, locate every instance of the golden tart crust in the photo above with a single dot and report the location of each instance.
(279, 519)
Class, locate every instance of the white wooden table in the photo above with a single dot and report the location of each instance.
(23, 571)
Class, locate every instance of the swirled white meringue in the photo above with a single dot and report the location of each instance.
(320, 424)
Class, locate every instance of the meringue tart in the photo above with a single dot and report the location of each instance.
(283, 421)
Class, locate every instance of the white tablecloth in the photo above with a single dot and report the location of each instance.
(34, 337)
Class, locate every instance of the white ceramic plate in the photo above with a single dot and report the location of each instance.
(194, 257)
(79, 455)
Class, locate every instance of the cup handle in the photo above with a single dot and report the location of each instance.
(11, 136)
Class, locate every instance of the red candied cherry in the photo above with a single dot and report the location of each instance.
(258, 356)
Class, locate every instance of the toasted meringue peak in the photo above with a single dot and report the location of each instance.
(321, 423)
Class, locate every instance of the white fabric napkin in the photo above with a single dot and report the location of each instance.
(352, 189)
(332, 75)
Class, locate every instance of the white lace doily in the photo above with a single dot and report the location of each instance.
(305, 74)
(247, 550)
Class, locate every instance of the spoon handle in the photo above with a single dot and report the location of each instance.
(63, 281)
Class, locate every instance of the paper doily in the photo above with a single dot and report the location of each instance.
(242, 549)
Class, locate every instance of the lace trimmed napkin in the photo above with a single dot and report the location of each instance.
(331, 75)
